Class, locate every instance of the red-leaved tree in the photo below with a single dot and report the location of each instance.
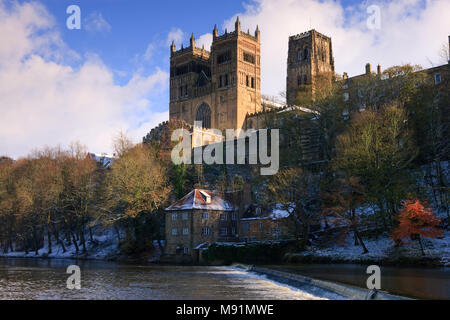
(415, 222)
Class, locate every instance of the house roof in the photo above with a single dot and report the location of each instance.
(277, 213)
(201, 199)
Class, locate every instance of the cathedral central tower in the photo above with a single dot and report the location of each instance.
(219, 87)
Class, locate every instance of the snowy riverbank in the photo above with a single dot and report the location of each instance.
(381, 249)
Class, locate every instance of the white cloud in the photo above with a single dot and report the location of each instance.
(48, 102)
(96, 23)
(204, 40)
(176, 35)
(412, 31)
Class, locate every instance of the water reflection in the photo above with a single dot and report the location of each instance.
(46, 279)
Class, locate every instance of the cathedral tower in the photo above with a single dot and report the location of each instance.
(309, 55)
(219, 87)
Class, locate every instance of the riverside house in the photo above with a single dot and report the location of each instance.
(198, 219)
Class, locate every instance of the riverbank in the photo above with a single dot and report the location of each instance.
(381, 251)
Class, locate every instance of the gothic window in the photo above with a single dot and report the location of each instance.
(204, 115)
(224, 57)
(247, 81)
(253, 82)
(306, 54)
(220, 82)
(299, 80)
(299, 55)
(248, 57)
(226, 80)
(305, 79)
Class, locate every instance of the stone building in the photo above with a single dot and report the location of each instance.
(220, 87)
(198, 219)
(259, 224)
(310, 55)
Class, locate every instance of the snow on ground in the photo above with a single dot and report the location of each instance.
(105, 246)
(383, 248)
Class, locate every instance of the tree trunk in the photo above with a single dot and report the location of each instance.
(421, 245)
(49, 240)
(83, 242)
(91, 237)
(60, 242)
(355, 230)
(75, 243)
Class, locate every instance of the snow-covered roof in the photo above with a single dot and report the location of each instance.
(277, 213)
(104, 159)
(198, 199)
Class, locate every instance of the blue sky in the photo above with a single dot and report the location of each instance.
(59, 85)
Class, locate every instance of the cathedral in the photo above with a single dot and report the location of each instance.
(221, 88)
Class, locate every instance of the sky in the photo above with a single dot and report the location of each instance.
(61, 85)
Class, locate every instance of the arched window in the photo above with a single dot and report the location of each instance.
(204, 115)
(306, 54)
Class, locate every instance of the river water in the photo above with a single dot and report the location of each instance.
(25, 278)
(421, 283)
(28, 278)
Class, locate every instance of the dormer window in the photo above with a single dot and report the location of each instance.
(206, 197)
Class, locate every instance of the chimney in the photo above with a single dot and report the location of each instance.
(368, 68)
(379, 70)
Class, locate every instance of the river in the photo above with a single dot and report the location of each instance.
(28, 278)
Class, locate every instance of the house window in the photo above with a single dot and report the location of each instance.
(185, 216)
(223, 231)
(299, 55)
(205, 215)
(223, 217)
(226, 80)
(174, 231)
(346, 96)
(246, 227)
(260, 226)
(248, 57)
(253, 82)
(246, 81)
(305, 79)
(299, 80)
(206, 231)
(234, 216)
(174, 216)
(220, 82)
(186, 250)
(233, 231)
(185, 231)
(437, 78)
(258, 211)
